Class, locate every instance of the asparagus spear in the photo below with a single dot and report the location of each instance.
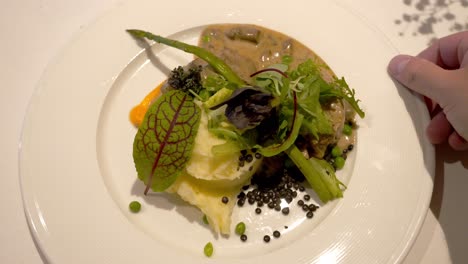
(219, 65)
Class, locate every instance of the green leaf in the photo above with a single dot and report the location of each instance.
(342, 90)
(276, 149)
(164, 142)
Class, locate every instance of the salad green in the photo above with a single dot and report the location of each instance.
(164, 141)
(286, 102)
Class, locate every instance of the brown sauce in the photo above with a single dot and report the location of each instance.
(248, 48)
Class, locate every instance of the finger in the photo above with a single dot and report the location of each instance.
(457, 142)
(449, 52)
(439, 129)
(422, 76)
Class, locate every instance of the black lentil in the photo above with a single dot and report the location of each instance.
(225, 200)
(258, 211)
(307, 197)
(243, 238)
(285, 210)
(258, 155)
(276, 234)
(248, 158)
(312, 208)
(266, 238)
(300, 203)
(310, 214)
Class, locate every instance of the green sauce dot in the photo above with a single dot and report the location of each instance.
(134, 206)
(240, 228)
(286, 59)
(208, 250)
(336, 151)
(339, 163)
(347, 129)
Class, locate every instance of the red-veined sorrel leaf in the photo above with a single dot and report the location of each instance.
(165, 139)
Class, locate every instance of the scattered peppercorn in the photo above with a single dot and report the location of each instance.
(276, 234)
(225, 200)
(307, 197)
(266, 238)
(248, 158)
(258, 211)
(285, 210)
(300, 203)
(310, 214)
(258, 155)
(243, 238)
(311, 207)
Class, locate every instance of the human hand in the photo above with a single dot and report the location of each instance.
(440, 73)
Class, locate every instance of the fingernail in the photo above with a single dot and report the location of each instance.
(398, 64)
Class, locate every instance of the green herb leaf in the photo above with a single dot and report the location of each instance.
(164, 142)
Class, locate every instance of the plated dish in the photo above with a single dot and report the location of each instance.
(212, 128)
(85, 181)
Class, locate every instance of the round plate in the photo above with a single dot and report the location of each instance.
(77, 172)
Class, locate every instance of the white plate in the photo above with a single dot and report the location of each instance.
(77, 172)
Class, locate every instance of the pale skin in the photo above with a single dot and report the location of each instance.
(440, 73)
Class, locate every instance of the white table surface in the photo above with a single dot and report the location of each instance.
(33, 32)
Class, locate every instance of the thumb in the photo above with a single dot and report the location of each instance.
(422, 76)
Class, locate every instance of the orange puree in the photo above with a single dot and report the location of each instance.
(138, 112)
